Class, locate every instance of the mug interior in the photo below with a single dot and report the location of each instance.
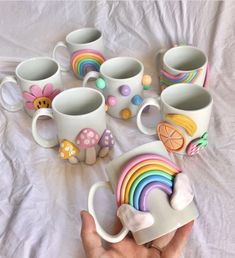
(83, 36)
(186, 97)
(121, 68)
(78, 101)
(184, 58)
(36, 69)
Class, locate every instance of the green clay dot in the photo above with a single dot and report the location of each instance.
(146, 87)
(100, 83)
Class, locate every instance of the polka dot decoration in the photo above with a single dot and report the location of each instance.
(137, 100)
(100, 83)
(111, 101)
(125, 114)
(124, 90)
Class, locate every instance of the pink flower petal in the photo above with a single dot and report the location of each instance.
(48, 89)
(29, 105)
(36, 91)
(28, 96)
(54, 93)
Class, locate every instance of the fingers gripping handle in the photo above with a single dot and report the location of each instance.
(109, 238)
(64, 68)
(15, 107)
(88, 76)
(141, 126)
(41, 141)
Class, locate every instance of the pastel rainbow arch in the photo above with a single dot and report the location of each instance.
(86, 60)
(167, 79)
(141, 175)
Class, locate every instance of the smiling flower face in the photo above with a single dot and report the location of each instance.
(40, 98)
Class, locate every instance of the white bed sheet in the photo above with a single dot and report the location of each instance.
(40, 196)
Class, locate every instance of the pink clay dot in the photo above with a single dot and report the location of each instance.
(111, 101)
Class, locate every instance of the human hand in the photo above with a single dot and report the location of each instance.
(168, 246)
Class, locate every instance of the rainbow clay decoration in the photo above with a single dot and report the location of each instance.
(86, 60)
(141, 175)
(196, 145)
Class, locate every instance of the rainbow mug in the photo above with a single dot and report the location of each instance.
(152, 187)
(86, 51)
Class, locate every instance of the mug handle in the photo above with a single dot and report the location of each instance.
(12, 108)
(63, 68)
(88, 76)
(140, 125)
(43, 142)
(106, 236)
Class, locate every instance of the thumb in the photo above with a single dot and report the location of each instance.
(91, 240)
(178, 242)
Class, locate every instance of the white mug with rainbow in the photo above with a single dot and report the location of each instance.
(182, 64)
(86, 51)
(142, 180)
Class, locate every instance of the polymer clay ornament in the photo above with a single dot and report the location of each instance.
(111, 101)
(196, 145)
(106, 142)
(87, 139)
(124, 90)
(100, 83)
(146, 81)
(125, 113)
(86, 60)
(183, 121)
(68, 151)
(137, 100)
(38, 98)
(171, 137)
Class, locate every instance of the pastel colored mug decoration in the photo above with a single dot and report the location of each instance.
(40, 98)
(87, 139)
(86, 60)
(197, 144)
(124, 91)
(138, 178)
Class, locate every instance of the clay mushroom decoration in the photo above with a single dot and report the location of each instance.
(87, 139)
(106, 142)
(68, 151)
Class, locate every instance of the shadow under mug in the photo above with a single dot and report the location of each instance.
(86, 50)
(122, 82)
(166, 219)
(79, 115)
(185, 111)
(182, 64)
(39, 79)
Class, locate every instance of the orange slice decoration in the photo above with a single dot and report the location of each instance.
(171, 137)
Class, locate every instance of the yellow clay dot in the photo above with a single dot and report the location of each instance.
(125, 113)
(106, 108)
(147, 80)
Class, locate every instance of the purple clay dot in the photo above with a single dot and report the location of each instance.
(125, 90)
(146, 109)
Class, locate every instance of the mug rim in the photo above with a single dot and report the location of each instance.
(79, 30)
(123, 58)
(34, 59)
(186, 85)
(183, 71)
(77, 89)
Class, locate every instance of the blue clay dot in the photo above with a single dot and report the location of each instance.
(125, 90)
(137, 100)
(100, 83)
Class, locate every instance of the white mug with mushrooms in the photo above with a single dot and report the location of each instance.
(79, 115)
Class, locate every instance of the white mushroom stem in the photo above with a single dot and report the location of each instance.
(103, 152)
(90, 158)
(73, 160)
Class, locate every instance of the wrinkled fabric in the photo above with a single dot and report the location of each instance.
(41, 196)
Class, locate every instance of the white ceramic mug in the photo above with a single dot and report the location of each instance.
(79, 115)
(122, 82)
(39, 79)
(164, 218)
(86, 50)
(182, 64)
(185, 110)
